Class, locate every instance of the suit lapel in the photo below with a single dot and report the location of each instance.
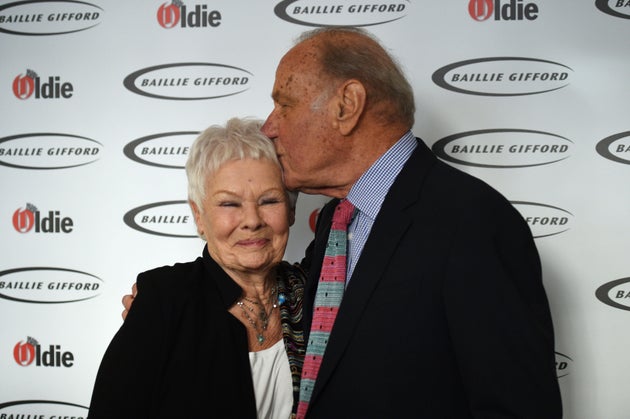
(388, 229)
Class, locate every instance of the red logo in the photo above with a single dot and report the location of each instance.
(168, 14)
(175, 13)
(480, 9)
(24, 218)
(24, 86)
(29, 352)
(24, 352)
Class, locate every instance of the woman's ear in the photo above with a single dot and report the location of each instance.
(197, 215)
(349, 105)
(291, 216)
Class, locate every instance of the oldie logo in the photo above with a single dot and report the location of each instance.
(177, 14)
(188, 81)
(503, 148)
(168, 219)
(341, 13)
(48, 17)
(615, 148)
(41, 409)
(617, 8)
(481, 10)
(563, 365)
(544, 220)
(167, 150)
(615, 293)
(47, 150)
(30, 85)
(48, 285)
(503, 76)
(30, 352)
(29, 218)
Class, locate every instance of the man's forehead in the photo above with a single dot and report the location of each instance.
(284, 80)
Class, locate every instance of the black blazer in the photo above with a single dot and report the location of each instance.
(180, 353)
(445, 315)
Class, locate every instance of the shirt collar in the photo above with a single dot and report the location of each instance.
(368, 193)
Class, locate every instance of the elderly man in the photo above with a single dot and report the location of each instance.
(442, 312)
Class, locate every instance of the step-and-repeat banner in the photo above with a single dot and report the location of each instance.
(101, 99)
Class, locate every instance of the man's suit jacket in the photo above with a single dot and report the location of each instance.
(445, 315)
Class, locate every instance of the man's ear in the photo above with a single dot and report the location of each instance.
(349, 105)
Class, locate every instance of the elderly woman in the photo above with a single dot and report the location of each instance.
(221, 336)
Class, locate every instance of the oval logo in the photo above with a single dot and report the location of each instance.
(45, 151)
(48, 17)
(615, 293)
(615, 148)
(563, 365)
(168, 219)
(341, 13)
(544, 220)
(42, 409)
(503, 76)
(620, 9)
(167, 150)
(503, 148)
(47, 285)
(188, 81)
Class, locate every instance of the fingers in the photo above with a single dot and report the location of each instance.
(127, 300)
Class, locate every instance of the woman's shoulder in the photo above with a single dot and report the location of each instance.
(180, 275)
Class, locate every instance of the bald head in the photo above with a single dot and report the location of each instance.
(351, 53)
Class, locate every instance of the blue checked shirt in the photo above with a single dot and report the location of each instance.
(368, 194)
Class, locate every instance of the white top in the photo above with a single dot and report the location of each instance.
(273, 385)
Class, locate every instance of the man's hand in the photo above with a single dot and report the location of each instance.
(127, 300)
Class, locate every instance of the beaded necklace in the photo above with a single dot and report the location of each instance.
(261, 321)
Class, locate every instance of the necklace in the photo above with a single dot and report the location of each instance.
(262, 317)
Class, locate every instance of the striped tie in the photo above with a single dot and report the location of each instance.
(327, 299)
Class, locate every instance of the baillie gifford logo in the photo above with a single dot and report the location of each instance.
(615, 147)
(31, 353)
(30, 85)
(31, 219)
(41, 409)
(176, 14)
(481, 10)
(616, 8)
(48, 17)
(342, 13)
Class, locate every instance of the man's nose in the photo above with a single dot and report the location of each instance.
(268, 128)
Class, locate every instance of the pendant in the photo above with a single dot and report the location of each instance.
(261, 339)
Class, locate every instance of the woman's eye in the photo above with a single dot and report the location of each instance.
(228, 204)
(270, 201)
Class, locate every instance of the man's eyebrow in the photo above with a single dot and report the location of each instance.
(279, 95)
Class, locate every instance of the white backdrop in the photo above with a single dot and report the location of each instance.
(100, 100)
